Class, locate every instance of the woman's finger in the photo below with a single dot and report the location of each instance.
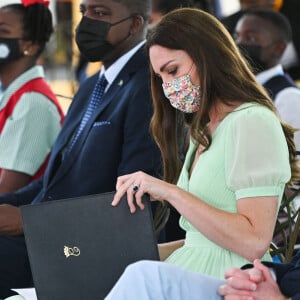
(123, 185)
(138, 198)
(131, 200)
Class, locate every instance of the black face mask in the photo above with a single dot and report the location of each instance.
(9, 50)
(91, 38)
(253, 55)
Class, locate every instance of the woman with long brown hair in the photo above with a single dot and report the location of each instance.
(240, 156)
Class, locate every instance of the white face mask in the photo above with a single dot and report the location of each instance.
(183, 95)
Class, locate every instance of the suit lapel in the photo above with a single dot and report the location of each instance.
(72, 121)
(115, 90)
(105, 101)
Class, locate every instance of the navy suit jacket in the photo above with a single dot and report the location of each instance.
(288, 277)
(116, 140)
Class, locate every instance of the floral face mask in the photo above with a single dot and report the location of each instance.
(183, 95)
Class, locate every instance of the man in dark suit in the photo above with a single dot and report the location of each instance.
(113, 138)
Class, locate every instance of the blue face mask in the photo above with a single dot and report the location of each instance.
(9, 50)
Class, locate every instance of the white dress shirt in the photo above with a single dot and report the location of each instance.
(287, 101)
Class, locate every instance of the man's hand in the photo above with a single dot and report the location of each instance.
(256, 283)
(10, 220)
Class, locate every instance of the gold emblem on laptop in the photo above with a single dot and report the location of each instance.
(71, 251)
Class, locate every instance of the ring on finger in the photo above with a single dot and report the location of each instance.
(135, 188)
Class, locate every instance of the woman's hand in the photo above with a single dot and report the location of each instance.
(137, 184)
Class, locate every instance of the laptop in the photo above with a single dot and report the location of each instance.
(79, 247)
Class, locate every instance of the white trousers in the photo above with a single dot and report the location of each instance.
(151, 280)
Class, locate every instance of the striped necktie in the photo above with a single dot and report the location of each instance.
(95, 100)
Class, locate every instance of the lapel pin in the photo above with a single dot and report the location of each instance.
(120, 83)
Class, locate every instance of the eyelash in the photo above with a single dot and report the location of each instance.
(96, 12)
(99, 13)
(173, 71)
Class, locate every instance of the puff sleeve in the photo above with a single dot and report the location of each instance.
(256, 154)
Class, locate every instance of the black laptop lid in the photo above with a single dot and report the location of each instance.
(79, 247)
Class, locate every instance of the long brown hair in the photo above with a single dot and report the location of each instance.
(224, 75)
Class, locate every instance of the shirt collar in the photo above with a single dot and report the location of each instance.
(264, 76)
(112, 72)
(32, 73)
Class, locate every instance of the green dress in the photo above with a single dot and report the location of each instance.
(248, 157)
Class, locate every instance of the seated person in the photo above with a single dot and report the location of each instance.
(231, 184)
(263, 35)
(150, 280)
(97, 143)
(290, 8)
(30, 115)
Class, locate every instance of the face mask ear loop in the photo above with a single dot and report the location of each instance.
(190, 70)
(189, 73)
(116, 23)
(122, 20)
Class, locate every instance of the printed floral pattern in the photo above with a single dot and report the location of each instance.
(183, 95)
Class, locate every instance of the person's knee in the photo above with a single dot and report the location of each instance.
(144, 270)
(139, 268)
